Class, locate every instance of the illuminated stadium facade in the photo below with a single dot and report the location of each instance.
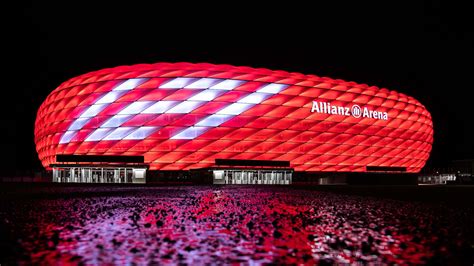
(113, 124)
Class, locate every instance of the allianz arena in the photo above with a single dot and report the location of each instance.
(184, 116)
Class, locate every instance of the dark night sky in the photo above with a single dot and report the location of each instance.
(423, 49)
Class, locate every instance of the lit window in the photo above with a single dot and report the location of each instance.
(273, 88)
(214, 120)
(110, 97)
(93, 110)
(130, 84)
(177, 83)
(98, 134)
(228, 84)
(116, 121)
(141, 133)
(203, 83)
(256, 97)
(135, 108)
(235, 109)
(190, 133)
(119, 133)
(206, 95)
(79, 123)
(184, 107)
(159, 107)
(66, 138)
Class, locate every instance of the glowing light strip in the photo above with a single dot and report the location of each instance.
(230, 111)
(100, 105)
(211, 88)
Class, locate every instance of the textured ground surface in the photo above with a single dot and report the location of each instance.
(201, 225)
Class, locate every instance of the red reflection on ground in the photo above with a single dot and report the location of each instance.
(202, 225)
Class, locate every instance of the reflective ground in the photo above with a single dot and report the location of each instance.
(231, 224)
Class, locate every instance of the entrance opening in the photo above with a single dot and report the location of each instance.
(99, 169)
(76, 174)
(254, 172)
(252, 176)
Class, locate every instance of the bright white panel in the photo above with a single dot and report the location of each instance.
(135, 108)
(228, 84)
(130, 84)
(273, 88)
(67, 136)
(160, 107)
(235, 109)
(214, 120)
(206, 95)
(93, 110)
(139, 173)
(177, 83)
(203, 83)
(116, 121)
(184, 107)
(190, 133)
(119, 133)
(110, 97)
(79, 123)
(256, 97)
(98, 134)
(141, 133)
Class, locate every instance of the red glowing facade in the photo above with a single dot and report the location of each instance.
(182, 116)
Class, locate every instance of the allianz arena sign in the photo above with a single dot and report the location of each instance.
(355, 111)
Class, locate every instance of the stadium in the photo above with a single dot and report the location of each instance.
(241, 125)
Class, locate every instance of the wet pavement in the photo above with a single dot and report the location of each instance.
(227, 225)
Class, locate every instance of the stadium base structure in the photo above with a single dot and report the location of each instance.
(99, 169)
